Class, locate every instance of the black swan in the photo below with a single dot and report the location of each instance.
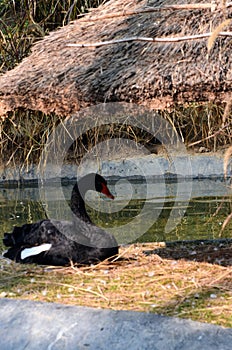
(53, 242)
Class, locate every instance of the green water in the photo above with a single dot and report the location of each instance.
(19, 206)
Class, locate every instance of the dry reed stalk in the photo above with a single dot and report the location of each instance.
(227, 111)
(227, 157)
(216, 32)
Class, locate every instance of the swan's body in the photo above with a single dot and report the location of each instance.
(53, 242)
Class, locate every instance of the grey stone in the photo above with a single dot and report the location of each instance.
(186, 166)
(34, 325)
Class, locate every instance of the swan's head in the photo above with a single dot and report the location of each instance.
(101, 186)
(94, 182)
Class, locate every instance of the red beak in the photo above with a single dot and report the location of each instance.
(106, 191)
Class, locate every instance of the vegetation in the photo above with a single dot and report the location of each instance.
(23, 22)
(24, 133)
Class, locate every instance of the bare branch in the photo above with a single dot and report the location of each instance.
(152, 40)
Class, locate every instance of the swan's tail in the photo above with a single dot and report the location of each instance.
(8, 240)
(16, 237)
(20, 240)
(13, 253)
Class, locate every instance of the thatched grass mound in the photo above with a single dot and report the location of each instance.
(61, 79)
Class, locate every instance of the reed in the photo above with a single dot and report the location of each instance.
(24, 133)
(24, 22)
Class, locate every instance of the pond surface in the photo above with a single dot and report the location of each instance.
(168, 215)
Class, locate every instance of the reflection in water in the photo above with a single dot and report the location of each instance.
(21, 205)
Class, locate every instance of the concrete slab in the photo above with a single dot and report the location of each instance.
(34, 325)
(208, 165)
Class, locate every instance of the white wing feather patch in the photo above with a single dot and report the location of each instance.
(25, 253)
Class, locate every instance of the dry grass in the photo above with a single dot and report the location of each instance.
(23, 22)
(136, 281)
(24, 133)
(23, 136)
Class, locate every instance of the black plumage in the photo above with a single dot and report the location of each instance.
(53, 242)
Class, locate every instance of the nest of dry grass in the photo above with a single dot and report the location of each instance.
(145, 277)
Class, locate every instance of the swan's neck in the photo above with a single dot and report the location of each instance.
(78, 204)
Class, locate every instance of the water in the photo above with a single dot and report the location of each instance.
(201, 217)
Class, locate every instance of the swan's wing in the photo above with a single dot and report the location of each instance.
(97, 237)
(25, 253)
(85, 233)
(77, 232)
